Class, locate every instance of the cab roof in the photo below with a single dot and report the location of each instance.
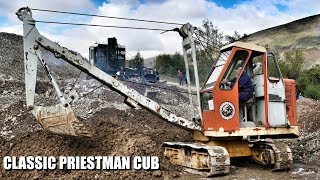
(245, 46)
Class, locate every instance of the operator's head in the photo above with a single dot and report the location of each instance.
(239, 66)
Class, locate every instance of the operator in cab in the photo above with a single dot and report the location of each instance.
(245, 84)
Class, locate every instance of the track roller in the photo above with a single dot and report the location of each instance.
(207, 160)
(275, 155)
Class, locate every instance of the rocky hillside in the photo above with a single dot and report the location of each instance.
(301, 34)
(11, 60)
(11, 55)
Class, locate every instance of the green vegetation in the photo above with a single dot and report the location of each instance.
(169, 65)
(236, 36)
(204, 65)
(137, 62)
(312, 91)
(208, 40)
(291, 65)
(307, 80)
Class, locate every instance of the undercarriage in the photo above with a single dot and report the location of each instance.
(211, 160)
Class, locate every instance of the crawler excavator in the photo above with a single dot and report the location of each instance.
(222, 129)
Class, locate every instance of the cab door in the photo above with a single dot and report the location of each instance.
(226, 98)
(276, 94)
(207, 100)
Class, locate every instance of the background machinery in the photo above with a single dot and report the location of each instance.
(111, 58)
(223, 128)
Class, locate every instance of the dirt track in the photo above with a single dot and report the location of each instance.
(121, 131)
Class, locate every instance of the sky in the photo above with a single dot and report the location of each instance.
(243, 16)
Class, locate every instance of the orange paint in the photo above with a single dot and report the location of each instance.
(291, 104)
(212, 120)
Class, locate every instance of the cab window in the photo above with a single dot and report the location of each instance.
(272, 68)
(216, 70)
(230, 75)
(207, 101)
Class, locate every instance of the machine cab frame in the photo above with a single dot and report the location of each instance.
(220, 106)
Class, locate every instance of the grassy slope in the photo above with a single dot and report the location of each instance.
(303, 34)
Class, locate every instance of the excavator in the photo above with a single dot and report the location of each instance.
(222, 127)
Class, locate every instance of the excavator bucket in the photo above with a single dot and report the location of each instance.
(61, 120)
